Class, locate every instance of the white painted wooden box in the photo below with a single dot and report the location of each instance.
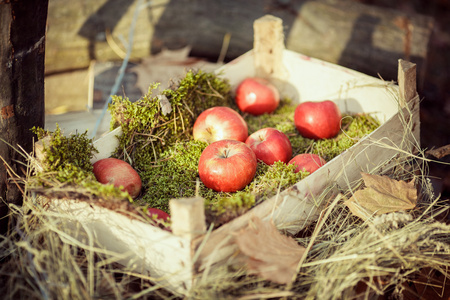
(178, 260)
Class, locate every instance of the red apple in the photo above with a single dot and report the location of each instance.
(227, 166)
(307, 162)
(220, 123)
(119, 173)
(157, 214)
(270, 145)
(257, 96)
(317, 120)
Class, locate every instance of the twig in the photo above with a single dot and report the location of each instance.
(439, 152)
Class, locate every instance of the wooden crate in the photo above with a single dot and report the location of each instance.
(178, 259)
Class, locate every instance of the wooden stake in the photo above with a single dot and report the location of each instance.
(188, 217)
(268, 47)
(406, 81)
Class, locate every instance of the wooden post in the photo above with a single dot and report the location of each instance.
(22, 53)
(406, 81)
(188, 217)
(268, 47)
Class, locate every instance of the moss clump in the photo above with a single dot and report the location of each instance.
(155, 122)
(68, 168)
(282, 118)
(270, 179)
(63, 152)
(174, 175)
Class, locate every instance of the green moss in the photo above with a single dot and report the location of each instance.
(223, 207)
(174, 175)
(270, 179)
(353, 129)
(66, 152)
(282, 118)
(67, 166)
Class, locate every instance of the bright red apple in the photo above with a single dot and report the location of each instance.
(307, 162)
(119, 173)
(227, 166)
(317, 120)
(257, 96)
(270, 145)
(220, 123)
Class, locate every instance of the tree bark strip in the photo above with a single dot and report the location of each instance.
(22, 55)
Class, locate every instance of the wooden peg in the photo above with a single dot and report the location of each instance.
(39, 152)
(268, 47)
(406, 81)
(188, 217)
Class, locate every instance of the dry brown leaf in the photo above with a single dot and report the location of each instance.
(269, 254)
(382, 195)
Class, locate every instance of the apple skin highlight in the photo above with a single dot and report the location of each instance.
(220, 123)
(270, 145)
(257, 96)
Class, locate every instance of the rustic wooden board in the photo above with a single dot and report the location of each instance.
(77, 32)
(144, 248)
(362, 37)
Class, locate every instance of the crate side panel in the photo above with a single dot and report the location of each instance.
(310, 79)
(143, 247)
(107, 144)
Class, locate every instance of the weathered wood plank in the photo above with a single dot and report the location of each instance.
(188, 217)
(362, 37)
(268, 47)
(78, 31)
(129, 242)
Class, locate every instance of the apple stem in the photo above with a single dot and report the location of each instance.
(225, 153)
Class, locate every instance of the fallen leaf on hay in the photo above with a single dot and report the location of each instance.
(269, 254)
(382, 195)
